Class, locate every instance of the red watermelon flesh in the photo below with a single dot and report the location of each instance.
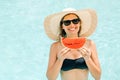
(73, 43)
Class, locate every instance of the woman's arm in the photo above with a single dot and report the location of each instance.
(55, 61)
(54, 64)
(93, 62)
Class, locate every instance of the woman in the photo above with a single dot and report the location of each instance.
(72, 24)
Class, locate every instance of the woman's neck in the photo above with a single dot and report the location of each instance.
(72, 36)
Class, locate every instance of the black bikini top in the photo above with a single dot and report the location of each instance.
(69, 64)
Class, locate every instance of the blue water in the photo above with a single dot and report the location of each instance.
(24, 46)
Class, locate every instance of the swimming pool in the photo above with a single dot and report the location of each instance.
(24, 46)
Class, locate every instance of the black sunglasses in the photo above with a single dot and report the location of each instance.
(68, 22)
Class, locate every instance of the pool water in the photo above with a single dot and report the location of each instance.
(24, 46)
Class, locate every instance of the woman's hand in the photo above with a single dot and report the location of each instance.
(85, 52)
(63, 53)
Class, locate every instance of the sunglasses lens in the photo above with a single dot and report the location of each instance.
(67, 22)
(75, 21)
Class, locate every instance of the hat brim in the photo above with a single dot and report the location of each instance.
(87, 16)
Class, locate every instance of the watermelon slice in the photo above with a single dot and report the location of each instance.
(73, 43)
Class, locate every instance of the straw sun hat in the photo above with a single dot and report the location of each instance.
(87, 16)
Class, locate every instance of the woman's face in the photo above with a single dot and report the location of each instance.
(71, 25)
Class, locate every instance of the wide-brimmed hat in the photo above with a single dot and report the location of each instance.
(87, 16)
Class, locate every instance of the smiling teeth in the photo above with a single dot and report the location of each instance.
(72, 29)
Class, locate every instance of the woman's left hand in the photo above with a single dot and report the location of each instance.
(85, 52)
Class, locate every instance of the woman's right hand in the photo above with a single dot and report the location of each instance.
(63, 54)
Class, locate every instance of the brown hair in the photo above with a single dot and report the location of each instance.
(62, 31)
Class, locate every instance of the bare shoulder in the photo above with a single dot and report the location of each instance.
(93, 48)
(55, 44)
(91, 42)
(54, 47)
(53, 52)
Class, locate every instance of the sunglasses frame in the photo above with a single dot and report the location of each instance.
(68, 22)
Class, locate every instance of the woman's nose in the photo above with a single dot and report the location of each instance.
(72, 25)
